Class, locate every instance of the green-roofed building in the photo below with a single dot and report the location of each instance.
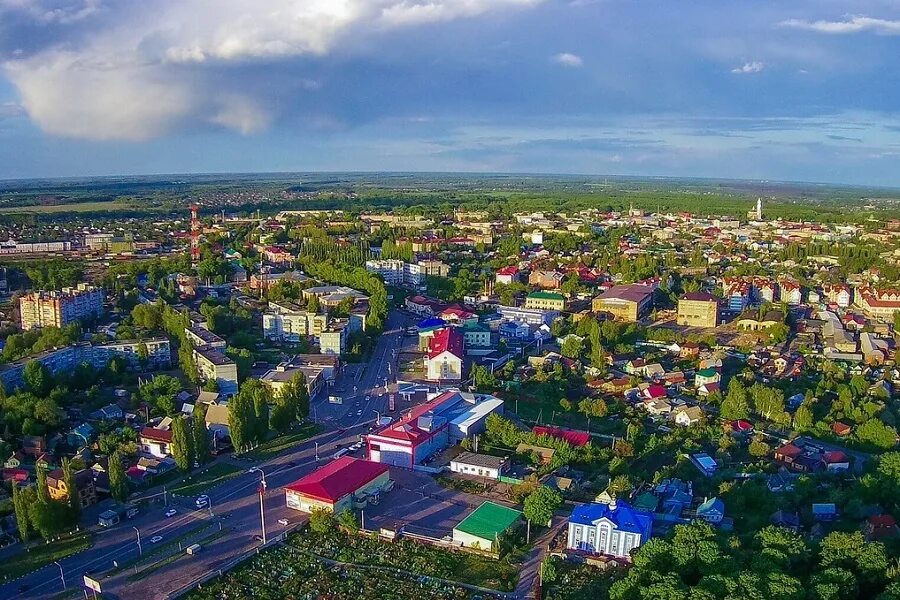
(484, 525)
(545, 301)
(647, 502)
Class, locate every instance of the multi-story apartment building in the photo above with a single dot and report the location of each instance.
(698, 309)
(200, 336)
(545, 301)
(60, 308)
(289, 322)
(629, 303)
(159, 353)
(213, 365)
(398, 272)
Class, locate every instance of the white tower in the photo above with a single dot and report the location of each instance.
(759, 209)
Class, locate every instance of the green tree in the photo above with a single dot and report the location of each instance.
(74, 500)
(38, 379)
(540, 505)
(118, 482)
(347, 520)
(182, 444)
(593, 407)
(878, 434)
(572, 347)
(160, 392)
(735, 406)
(200, 435)
(21, 499)
(321, 521)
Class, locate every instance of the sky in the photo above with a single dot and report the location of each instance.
(795, 91)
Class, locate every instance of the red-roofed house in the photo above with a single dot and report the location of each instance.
(444, 361)
(156, 442)
(507, 275)
(788, 453)
(573, 436)
(334, 486)
(457, 314)
(836, 461)
(880, 527)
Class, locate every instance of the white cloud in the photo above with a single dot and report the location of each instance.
(853, 24)
(749, 67)
(568, 60)
(151, 69)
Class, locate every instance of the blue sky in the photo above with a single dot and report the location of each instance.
(800, 90)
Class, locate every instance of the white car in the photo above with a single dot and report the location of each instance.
(156, 539)
(171, 512)
(202, 501)
(283, 522)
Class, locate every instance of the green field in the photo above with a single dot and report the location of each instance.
(277, 445)
(64, 208)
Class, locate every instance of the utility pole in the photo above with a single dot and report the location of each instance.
(140, 549)
(262, 506)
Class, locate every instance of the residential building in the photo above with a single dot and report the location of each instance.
(444, 361)
(545, 301)
(629, 303)
(213, 365)
(200, 336)
(689, 415)
(84, 484)
(275, 379)
(613, 529)
(341, 484)
(698, 309)
(507, 275)
(60, 308)
(156, 442)
(485, 525)
(529, 316)
(547, 280)
(476, 336)
(158, 353)
(480, 465)
(712, 510)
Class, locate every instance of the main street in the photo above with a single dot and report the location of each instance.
(234, 504)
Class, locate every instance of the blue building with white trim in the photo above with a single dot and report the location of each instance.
(613, 529)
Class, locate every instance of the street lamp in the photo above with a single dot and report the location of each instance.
(61, 574)
(140, 549)
(262, 506)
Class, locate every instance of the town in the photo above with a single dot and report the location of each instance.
(451, 400)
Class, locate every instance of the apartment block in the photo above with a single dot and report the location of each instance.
(60, 308)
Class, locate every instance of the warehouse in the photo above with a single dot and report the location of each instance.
(337, 485)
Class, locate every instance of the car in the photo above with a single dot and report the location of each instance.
(290, 464)
(156, 539)
(258, 538)
(202, 501)
(283, 522)
(171, 512)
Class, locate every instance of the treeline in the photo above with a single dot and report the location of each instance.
(53, 274)
(20, 345)
(323, 248)
(254, 412)
(162, 317)
(360, 279)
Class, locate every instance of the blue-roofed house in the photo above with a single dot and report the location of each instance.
(80, 436)
(613, 529)
(427, 329)
(712, 510)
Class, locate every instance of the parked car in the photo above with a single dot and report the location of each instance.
(171, 512)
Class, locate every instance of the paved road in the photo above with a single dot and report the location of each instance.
(236, 498)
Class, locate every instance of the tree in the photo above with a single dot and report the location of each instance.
(347, 520)
(118, 483)
(321, 521)
(758, 448)
(572, 347)
(735, 405)
(182, 444)
(593, 407)
(20, 505)
(38, 379)
(540, 505)
(200, 435)
(74, 500)
(878, 434)
(160, 392)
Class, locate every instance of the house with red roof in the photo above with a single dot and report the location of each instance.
(337, 485)
(573, 437)
(507, 275)
(444, 361)
(156, 442)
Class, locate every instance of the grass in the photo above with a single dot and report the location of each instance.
(43, 554)
(277, 445)
(203, 480)
(160, 548)
(65, 208)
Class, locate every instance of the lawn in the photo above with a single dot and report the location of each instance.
(285, 572)
(203, 480)
(279, 444)
(43, 554)
(411, 556)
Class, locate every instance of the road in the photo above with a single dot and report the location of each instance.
(234, 503)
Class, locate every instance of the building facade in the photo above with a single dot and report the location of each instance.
(613, 529)
(698, 310)
(60, 308)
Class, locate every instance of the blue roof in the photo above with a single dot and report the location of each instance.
(625, 517)
(713, 504)
(431, 323)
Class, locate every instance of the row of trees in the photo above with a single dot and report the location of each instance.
(253, 413)
(37, 512)
(190, 440)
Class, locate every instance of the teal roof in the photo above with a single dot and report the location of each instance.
(489, 520)
(546, 295)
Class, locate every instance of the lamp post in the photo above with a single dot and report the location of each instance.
(262, 506)
(61, 574)
(140, 549)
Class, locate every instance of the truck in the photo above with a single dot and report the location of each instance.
(335, 400)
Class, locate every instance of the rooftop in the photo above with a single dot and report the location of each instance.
(338, 478)
(489, 520)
